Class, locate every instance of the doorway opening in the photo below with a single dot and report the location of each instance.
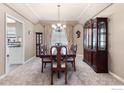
(14, 43)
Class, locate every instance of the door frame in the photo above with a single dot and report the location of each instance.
(23, 39)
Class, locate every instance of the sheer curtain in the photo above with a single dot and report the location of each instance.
(59, 37)
(69, 33)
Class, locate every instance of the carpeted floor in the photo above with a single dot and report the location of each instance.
(30, 74)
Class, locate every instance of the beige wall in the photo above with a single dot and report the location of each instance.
(69, 32)
(38, 28)
(29, 40)
(78, 41)
(48, 31)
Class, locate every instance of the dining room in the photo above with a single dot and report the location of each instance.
(65, 44)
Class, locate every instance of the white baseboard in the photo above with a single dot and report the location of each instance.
(2, 76)
(117, 77)
(29, 59)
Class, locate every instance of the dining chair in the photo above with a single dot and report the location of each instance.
(71, 60)
(59, 65)
(45, 59)
(58, 44)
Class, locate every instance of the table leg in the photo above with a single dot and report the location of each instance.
(42, 68)
(74, 65)
(58, 74)
(52, 78)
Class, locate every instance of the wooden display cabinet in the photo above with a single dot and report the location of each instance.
(39, 42)
(95, 44)
(88, 42)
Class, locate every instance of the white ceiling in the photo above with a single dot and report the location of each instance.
(36, 12)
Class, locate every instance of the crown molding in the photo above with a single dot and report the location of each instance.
(83, 11)
(30, 8)
(18, 12)
(97, 13)
(71, 22)
(103, 10)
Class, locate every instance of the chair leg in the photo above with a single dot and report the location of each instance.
(52, 78)
(58, 74)
(42, 68)
(66, 77)
(45, 65)
(74, 65)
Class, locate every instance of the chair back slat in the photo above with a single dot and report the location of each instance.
(43, 49)
(61, 50)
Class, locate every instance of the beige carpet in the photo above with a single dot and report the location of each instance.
(30, 74)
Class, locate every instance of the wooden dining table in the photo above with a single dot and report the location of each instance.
(70, 54)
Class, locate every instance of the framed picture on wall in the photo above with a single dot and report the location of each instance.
(78, 33)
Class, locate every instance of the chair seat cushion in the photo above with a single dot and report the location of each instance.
(46, 59)
(70, 59)
(55, 65)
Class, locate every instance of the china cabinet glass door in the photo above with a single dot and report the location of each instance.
(85, 38)
(96, 52)
(94, 38)
(90, 37)
(101, 36)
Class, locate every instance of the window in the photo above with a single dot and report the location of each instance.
(59, 37)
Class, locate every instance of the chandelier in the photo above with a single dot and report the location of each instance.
(58, 27)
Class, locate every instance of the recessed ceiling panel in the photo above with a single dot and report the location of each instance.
(36, 12)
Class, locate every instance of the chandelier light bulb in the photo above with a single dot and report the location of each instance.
(64, 26)
(58, 24)
(54, 26)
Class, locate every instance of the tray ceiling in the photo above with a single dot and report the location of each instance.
(36, 12)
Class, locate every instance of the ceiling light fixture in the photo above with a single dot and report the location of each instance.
(58, 27)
